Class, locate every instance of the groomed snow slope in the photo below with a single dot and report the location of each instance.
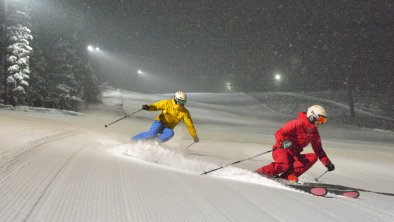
(57, 167)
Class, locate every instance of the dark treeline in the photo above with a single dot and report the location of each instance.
(44, 62)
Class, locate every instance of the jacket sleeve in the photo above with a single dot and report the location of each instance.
(318, 149)
(285, 131)
(187, 119)
(160, 105)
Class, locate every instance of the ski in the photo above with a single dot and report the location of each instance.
(317, 191)
(336, 191)
(314, 190)
(346, 193)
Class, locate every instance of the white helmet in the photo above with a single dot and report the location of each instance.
(180, 98)
(317, 114)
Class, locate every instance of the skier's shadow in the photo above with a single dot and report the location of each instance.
(341, 187)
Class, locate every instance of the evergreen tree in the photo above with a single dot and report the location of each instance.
(18, 69)
(2, 50)
(67, 75)
(39, 81)
(90, 84)
(65, 87)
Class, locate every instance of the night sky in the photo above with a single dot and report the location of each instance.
(203, 45)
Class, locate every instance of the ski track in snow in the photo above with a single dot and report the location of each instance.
(14, 154)
(39, 167)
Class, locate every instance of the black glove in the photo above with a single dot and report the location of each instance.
(145, 107)
(330, 166)
(196, 139)
(287, 144)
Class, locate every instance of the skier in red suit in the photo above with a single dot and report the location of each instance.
(291, 139)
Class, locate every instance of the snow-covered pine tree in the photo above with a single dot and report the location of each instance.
(18, 69)
(37, 94)
(90, 84)
(2, 51)
(65, 86)
(71, 80)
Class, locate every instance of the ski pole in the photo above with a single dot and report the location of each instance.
(189, 146)
(106, 125)
(317, 178)
(238, 161)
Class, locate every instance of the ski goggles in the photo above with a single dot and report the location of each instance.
(181, 102)
(321, 120)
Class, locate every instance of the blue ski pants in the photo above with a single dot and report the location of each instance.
(157, 131)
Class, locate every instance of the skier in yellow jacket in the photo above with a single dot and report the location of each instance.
(173, 111)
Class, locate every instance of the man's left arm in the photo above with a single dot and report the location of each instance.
(318, 149)
(187, 119)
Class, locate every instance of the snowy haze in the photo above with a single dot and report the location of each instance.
(60, 167)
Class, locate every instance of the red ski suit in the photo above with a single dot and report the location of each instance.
(300, 132)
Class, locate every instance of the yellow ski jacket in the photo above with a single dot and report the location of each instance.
(172, 114)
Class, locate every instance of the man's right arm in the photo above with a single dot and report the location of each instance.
(160, 105)
(283, 133)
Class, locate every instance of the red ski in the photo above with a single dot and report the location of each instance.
(317, 191)
(336, 190)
